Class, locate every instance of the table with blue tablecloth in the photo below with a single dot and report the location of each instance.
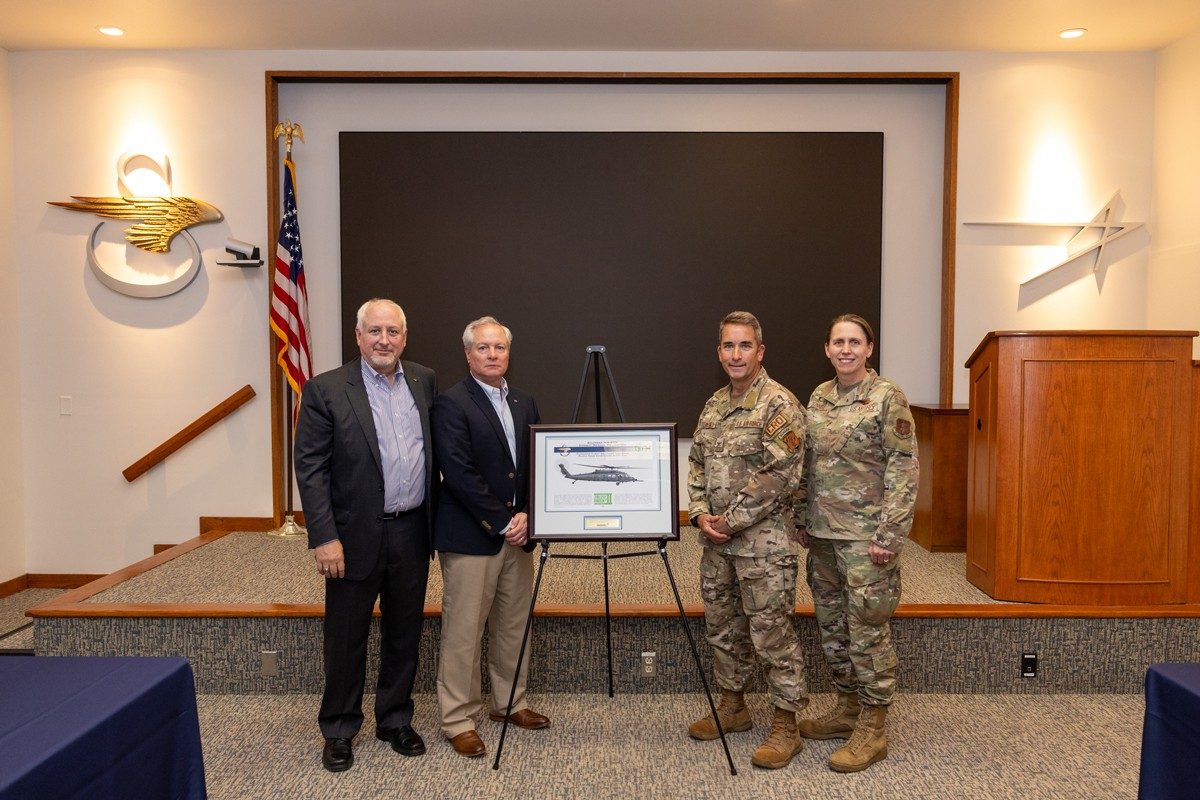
(1171, 735)
(75, 727)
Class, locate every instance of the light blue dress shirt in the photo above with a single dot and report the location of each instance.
(401, 443)
(499, 398)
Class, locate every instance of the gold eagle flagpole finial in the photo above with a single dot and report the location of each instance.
(287, 130)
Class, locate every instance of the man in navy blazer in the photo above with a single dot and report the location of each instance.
(367, 480)
(481, 436)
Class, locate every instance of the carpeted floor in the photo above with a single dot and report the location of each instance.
(257, 568)
(16, 629)
(982, 747)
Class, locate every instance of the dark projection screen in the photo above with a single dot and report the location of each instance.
(637, 241)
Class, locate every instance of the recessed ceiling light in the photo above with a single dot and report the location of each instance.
(1072, 33)
(111, 30)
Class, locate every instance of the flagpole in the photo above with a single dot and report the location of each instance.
(289, 528)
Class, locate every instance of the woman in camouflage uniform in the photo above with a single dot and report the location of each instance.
(861, 471)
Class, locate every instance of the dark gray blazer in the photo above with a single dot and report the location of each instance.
(479, 478)
(338, 468)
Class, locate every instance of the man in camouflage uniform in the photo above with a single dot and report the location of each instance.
(744, 470)
(861, 475)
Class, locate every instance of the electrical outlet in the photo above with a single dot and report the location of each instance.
(649, 666)
(64, 405)
(1029, 665)
(270, 663)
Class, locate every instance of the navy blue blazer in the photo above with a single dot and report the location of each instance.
(479, 478)
(338, 468)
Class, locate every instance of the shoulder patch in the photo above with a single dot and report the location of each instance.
(903, 428)
(791, 440)
(772, 427)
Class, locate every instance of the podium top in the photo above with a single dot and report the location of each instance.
(1075, 333)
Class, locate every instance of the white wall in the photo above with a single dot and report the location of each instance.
(12, 531)
(1050, 139)
(1174, 285)
(139, 370)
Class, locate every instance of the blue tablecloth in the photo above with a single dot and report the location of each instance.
(1171, 734)
(117, 728)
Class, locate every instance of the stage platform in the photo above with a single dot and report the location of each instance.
(225, 597)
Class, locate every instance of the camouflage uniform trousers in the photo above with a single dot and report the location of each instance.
(853, 599)
(749, 606)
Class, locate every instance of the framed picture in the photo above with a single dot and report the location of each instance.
(599, 483)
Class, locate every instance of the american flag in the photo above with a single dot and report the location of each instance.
(289, 296)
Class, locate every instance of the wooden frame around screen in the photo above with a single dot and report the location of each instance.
(949, 179)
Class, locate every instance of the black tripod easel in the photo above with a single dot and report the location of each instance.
(595, 357)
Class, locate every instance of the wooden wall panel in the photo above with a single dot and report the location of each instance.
(940, 518)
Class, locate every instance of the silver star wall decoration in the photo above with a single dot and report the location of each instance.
(1090, 238)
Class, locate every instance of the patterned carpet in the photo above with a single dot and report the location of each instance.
(952, 746)
(16, 629)
(983, 747)
(256, 568)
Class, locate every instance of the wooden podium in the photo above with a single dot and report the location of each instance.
(1078, 467)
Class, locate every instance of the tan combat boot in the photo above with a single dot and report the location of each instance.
(731, 708)
(781, 743)
(837, 724)
(867, 745)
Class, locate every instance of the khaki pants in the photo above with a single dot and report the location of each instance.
(478, 589)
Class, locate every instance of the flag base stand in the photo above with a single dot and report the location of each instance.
(289, 529)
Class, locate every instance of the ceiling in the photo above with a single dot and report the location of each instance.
(867, 25)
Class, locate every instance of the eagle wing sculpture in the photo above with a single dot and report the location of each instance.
(161, 217)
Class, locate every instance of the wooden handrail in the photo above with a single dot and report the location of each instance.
(216, 414)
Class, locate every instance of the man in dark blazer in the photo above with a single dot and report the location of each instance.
(481, 435)
(366, 474)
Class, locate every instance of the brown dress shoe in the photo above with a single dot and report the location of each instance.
(468, 744)
(526, 718)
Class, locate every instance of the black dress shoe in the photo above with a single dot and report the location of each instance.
(404, 740)
(338, 755)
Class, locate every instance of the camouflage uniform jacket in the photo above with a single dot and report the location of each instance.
(860, 464)
(746, 463)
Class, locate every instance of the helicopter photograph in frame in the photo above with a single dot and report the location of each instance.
(604, 482)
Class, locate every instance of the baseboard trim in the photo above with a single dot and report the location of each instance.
(14, 585)
(58, 580)
(252, 524)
